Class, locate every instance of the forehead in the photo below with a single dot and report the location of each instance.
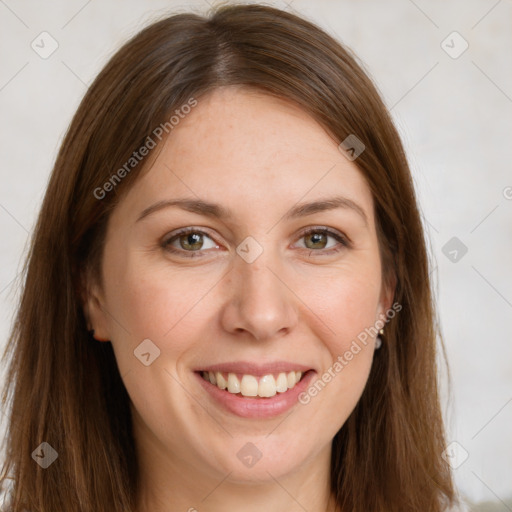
(251, 150)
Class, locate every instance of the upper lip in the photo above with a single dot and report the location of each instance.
(258, 370)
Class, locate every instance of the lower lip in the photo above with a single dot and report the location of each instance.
(256, 407)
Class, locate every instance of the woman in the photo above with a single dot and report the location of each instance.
(226, 301)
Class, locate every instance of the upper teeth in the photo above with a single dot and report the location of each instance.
(249, 385)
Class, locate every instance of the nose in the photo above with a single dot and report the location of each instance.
(260, 301)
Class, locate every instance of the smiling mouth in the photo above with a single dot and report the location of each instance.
(251, 386)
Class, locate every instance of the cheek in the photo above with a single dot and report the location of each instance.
(167, 308)
(355, 305)
(352, 313)
(157, 303)
(346, 299)
(348, 304)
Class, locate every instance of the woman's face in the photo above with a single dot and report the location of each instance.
(248, 294)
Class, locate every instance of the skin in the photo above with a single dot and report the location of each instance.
(258, 156)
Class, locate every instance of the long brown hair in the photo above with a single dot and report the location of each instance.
(65, 389)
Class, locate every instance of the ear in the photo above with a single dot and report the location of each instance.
(93, 307)
(387, 294)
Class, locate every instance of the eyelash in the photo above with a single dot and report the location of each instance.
(345, 243)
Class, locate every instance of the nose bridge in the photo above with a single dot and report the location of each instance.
(260, 302)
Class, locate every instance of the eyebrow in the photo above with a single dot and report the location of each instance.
(215, 210)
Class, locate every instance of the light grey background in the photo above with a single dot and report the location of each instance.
(455, 117)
